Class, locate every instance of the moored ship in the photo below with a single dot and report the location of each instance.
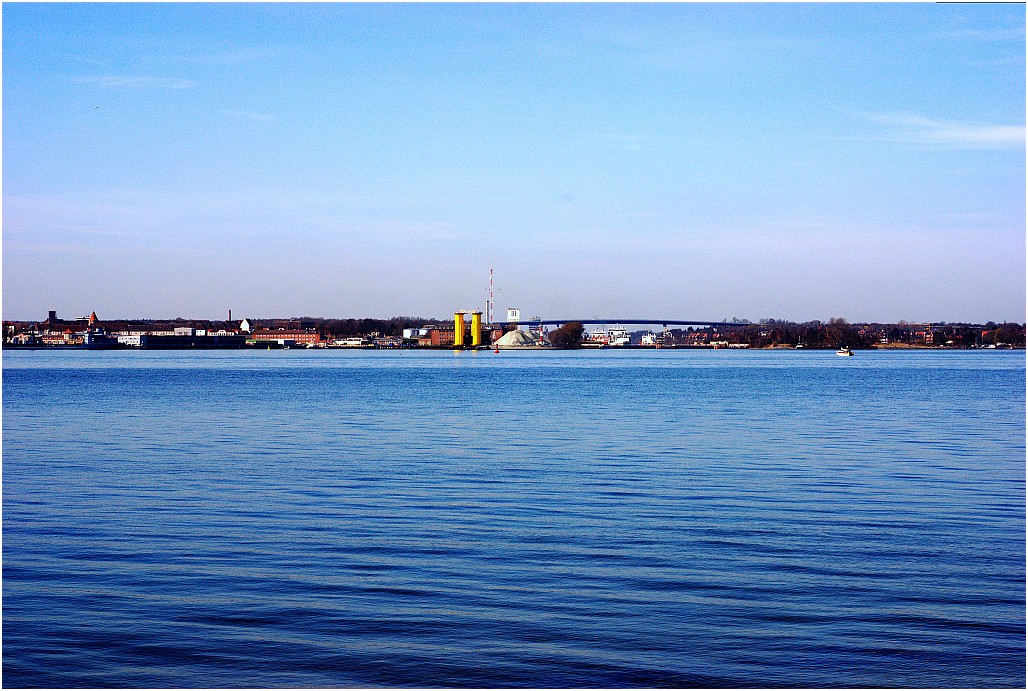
(607, 338)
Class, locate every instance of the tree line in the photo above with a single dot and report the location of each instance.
(837, 332)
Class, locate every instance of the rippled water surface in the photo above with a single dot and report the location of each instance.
(583, 519)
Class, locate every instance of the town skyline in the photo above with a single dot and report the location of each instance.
(511, 332)
(782, 161)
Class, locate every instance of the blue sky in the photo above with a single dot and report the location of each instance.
(678, 161)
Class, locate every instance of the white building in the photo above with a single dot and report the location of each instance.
(352, 342)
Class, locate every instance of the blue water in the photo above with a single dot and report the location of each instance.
(586, 519)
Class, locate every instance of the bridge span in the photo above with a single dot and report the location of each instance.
(634, 322)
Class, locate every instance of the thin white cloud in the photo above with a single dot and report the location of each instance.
(954, 133)
(247, 115)
(918, 130)
(988, 35)
(114, 81)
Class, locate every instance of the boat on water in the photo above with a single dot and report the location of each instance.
(844, 351)
(606, 338)
(618, 337)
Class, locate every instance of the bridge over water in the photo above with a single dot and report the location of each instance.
(624, 322)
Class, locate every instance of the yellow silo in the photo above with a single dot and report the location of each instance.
(476, 329)
(458, 329)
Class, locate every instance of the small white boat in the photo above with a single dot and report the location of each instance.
(844, 351)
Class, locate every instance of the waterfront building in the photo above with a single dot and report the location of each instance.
(283, 335)
(440, 336)
(352, 342)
